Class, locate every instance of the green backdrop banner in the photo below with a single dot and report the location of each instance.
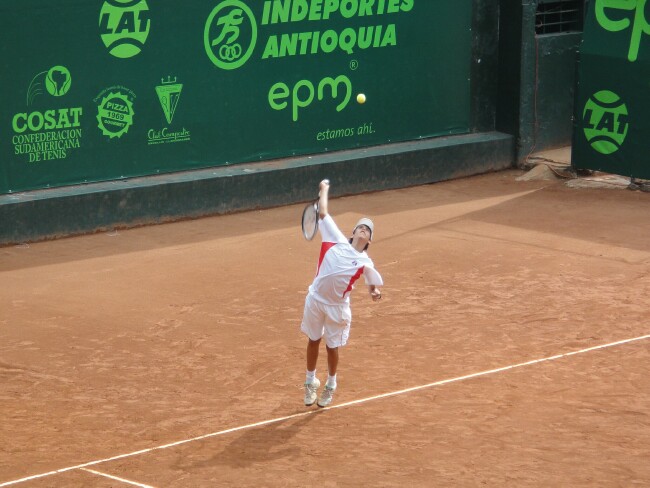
(103, 90)
(612, 110)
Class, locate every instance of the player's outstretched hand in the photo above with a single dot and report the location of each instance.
(375, 293)
(324, 184)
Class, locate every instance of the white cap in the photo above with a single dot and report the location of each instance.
(368, 223)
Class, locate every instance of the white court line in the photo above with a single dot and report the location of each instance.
(128, 482)
(340, 405)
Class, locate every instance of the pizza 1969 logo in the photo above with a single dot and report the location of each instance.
(115, 111)
(230, 34)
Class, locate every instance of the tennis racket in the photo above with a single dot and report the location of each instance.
(310, 218)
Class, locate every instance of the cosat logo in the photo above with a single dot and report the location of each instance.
(639, 23)
(124, 26)
(115, 111)
(605, 121)
(58, 81)
(169, 93)
(230, 34)
(44, 135)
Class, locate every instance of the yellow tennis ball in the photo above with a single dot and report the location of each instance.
(361, 98)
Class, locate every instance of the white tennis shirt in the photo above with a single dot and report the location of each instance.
(339, 266)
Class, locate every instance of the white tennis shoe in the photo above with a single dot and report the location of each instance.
(311, 392)
(326, 397)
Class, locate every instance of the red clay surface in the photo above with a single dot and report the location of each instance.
(127, 341)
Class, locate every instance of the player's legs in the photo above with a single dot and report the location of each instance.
(312, 326)
(332, 321)
(312, 354)
(311, 382)
(332, 360)
(313, 319)
(327, 395)
(337, 331)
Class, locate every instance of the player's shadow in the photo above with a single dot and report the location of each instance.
(261, 444)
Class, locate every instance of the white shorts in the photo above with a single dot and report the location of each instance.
(332, 321)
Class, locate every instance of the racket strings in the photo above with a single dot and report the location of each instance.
(310, 221)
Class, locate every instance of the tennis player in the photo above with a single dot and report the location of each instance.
(327, 312)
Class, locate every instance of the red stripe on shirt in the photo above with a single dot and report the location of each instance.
(356, 276)
(326, 246)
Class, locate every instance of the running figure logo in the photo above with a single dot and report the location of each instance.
(230, 34)
(229, 51)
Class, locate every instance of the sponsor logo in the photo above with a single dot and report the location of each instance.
(124, 26)
(232, 30)
(302, 42)
(230, 34)
(47, 131)
(237, 31)
(605, 122)
(619, 21)
(115, 111)
(169, 93)
(304, 92)
(58, 81)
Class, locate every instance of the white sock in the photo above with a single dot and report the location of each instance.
(310, 376)
(331, 381)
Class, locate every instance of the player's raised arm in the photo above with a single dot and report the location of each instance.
(323, 195)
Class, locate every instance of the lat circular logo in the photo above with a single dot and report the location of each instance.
(230, 34)
(605, 121)
(124, 26)
(115, 115)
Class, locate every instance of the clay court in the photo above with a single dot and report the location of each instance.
(511, 348)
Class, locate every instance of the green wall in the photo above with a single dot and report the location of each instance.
(94, 90)
(612, 126)
(434, 110)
